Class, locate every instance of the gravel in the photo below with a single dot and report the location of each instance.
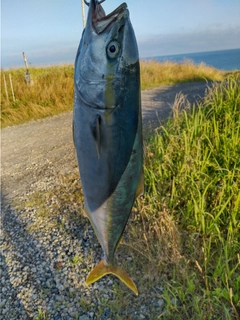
(45, 257)
(43, 272)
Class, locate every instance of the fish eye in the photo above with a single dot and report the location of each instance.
(113, 49)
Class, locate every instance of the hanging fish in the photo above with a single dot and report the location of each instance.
(107, 128)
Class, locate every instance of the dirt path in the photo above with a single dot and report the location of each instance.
(34, 151)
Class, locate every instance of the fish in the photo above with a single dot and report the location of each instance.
(107, 129)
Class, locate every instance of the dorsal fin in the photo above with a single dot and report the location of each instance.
(95, 127)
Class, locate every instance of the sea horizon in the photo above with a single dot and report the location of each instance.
(225, 60)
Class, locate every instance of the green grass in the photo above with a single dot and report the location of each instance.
(41, 315)
(192, 173)
(52, 92)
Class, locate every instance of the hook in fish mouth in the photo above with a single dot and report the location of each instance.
(97, 17)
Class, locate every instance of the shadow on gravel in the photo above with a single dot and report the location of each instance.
(44, 271)
(11, 307)
(27, 278)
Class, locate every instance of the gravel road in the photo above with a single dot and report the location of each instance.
(38, 272)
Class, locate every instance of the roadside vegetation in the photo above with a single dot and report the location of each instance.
(191, 210)
(155, 74)
(52, 92)
(184, 234)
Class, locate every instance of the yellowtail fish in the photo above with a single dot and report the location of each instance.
(107, 129)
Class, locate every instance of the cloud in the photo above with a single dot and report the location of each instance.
(199, 41)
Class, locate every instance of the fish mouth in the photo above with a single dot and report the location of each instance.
(98, 18)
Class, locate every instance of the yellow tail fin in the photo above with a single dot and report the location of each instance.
(102, 268)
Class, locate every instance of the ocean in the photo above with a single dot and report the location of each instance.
(223, 60)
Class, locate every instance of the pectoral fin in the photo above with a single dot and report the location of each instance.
(96, 131)
(103, 268)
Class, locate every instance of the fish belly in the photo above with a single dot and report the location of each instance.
(110, 179)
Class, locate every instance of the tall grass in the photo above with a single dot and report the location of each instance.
(154, 74)
(52, 92)
(192, 174)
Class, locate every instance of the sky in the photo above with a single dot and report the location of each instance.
(49, 31)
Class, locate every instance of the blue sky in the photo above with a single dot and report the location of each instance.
(48, 31)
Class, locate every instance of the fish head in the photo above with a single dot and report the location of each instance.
(107, 54)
